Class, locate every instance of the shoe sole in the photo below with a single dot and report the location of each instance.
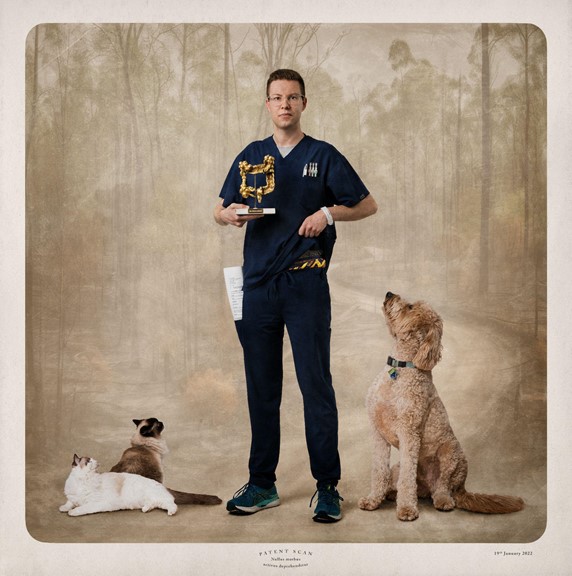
(246, 511)
(325, 519)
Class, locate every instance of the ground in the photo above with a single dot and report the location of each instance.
(492, 382)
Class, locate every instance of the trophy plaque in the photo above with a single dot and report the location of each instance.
(267, 169)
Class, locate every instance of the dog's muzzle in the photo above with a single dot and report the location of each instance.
(388, 297)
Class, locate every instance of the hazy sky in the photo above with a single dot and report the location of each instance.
(361, 58)
(366, 47)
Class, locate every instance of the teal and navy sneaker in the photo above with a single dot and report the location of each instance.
(250, 499)
(328, 508)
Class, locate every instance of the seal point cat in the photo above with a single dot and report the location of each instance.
(145, 457)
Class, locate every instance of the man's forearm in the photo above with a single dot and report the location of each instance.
(367, 207)
(218, 209)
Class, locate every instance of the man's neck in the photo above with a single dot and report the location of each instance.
(286, 138)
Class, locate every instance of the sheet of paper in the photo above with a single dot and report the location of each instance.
(233, 281)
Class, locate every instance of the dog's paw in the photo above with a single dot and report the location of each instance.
(407, 513)
(369, 503)
(443, 502)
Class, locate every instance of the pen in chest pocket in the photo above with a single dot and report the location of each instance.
(311, 169)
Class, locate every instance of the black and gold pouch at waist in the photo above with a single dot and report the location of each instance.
(308, 260)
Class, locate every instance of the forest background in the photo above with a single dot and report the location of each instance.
(130, 131)
(132, 128)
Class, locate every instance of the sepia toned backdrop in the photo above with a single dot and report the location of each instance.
(130, 131)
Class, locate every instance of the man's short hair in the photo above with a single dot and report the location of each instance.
(286, 74)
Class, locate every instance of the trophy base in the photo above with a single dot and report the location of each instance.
(250, 211)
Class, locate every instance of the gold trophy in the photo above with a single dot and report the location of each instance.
(266, 168)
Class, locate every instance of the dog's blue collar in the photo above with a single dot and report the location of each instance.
(399, 363)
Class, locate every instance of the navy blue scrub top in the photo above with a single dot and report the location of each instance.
(312, 175)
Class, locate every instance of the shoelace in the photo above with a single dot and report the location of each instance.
(242, 490)
(329, 494)
(248, 487)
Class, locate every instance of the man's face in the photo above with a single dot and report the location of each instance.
(285, 113)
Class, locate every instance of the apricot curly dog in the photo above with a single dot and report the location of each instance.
(406, 412)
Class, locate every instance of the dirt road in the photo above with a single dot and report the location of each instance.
(491, 380)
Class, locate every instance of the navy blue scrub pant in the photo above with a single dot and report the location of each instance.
(299, 300)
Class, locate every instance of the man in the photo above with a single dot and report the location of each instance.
(286, 255)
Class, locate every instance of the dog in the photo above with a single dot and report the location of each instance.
(406, 412)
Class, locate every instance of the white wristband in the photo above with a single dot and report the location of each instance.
(328, 215)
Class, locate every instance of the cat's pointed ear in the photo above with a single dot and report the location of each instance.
(137, 422)
(76, 460)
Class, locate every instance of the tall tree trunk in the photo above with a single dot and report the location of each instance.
(136, 189)
(486, 162)
(63, 84)
(405, 200)
(456, 188)
(34, 339)
(525, 167)
(33, 98)
(445, 228)
(458, 158)
(226, 92)
(183, 67)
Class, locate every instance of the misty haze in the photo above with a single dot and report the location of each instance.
(131, 130)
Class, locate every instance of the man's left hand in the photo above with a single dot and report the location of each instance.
(313, 226)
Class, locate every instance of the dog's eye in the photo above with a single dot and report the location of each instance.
(410, 306)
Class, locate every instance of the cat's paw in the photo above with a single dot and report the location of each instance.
(172, 510)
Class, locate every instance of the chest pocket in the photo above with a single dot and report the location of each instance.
(313, 195)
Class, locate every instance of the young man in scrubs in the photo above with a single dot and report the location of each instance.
(286, 255)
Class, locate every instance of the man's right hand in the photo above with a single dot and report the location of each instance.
(228, 215)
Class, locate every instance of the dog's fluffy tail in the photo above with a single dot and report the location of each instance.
(189, 498)
(488, 503)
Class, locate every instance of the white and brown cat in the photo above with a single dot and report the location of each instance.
(88, 492)
(145, 457)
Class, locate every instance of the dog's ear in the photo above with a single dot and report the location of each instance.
(429, 352)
